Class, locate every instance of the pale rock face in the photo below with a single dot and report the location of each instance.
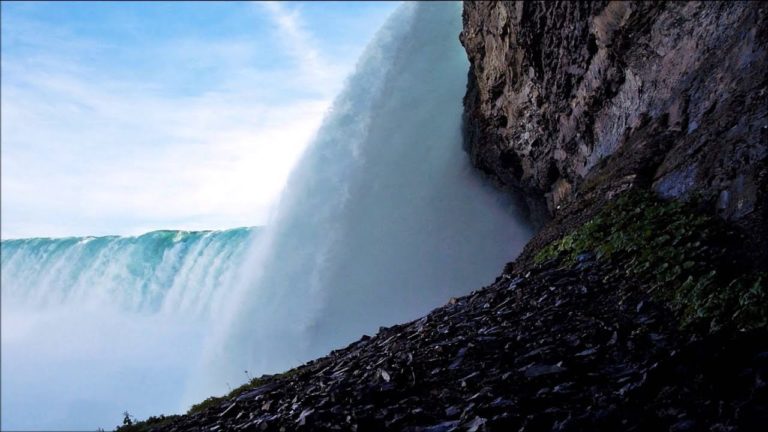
(674, 94)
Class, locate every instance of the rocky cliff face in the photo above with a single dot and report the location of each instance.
(670, 95)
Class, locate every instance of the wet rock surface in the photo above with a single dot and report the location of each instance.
(675, 92)
(549, 349)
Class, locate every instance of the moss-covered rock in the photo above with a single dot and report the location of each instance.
(690, 260)
(159, 422)
(151, 424)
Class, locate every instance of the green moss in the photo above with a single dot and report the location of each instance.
(250, 385)
(146, 425)
(154, 422)
(207, 403)
(683, 255)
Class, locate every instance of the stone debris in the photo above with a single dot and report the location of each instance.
(529, 359)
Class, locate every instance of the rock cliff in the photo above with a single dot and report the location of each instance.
(673, 95)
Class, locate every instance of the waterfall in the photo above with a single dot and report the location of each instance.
(169, 272)
(94, 326)
(383, 218)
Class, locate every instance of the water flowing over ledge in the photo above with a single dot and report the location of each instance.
(89, 323)
(161, 271)
(382, 220)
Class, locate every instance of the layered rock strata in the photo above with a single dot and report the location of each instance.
(680, 89)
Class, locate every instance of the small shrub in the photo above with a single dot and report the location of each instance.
(131, 425)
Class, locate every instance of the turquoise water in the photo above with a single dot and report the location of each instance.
(382, 220)
(94, 326)
(161, 271)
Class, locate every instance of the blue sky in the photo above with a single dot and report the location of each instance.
(120, 118)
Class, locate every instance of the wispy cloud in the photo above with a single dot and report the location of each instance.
(118, 154)
(299, 43)
(191, 132)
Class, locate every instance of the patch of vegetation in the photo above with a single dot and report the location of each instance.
(690, 260)
(129, 425)
(207, 403)
(253, 383)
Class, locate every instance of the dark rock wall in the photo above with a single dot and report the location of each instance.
(674, 95)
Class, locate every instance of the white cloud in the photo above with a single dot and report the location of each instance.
(136, 157)
(87, 151)
(299, 43)
(194, 129)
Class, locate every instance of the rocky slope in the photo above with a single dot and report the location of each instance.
(572, 341)
(506, 359)
(629, 310)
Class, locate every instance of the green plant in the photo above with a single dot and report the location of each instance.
(131, 425)
(127, 421)
(687, 259)
(250, 385)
